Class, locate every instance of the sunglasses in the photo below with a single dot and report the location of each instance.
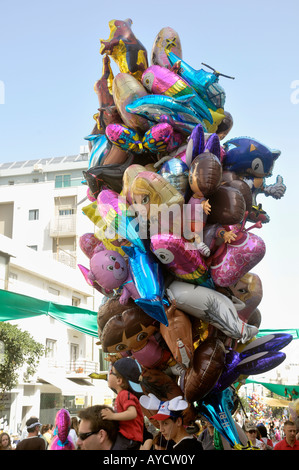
(252, 431)
(84, 435)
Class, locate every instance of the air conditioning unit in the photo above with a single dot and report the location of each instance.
(38, 167)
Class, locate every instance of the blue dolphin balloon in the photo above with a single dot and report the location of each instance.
(180, 115)
(149, 282)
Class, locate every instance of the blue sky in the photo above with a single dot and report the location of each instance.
(50, 60)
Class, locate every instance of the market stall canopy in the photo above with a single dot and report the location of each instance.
(15, 306)
(289, 391)
(276, 402)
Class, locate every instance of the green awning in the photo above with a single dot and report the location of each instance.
(291, 392)
(17, 306)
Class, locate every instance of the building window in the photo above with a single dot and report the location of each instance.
(50, 348)
(63, 212)
(62, 181)
(34, 214)
(76, 301)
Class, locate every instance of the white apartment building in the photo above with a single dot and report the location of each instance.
(41, 220)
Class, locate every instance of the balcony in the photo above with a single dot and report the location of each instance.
(63, 226)
(81, 368)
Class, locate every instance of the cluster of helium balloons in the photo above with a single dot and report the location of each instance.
(257, 408)
(170, 203)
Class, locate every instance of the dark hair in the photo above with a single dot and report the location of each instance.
(262, 430)
(289, 423)
(159, 440)
(93, 414)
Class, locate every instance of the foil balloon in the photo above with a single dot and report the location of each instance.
(114, 209)
(167, 38)
(149, 281)
(184, 263)
(107, 176)
(213, 145)
(150, 190)
(207, 364)
(126, 90)
(162, 108)
(217, 407)
(128, 178)
(254, 364)
(233, 260)
(225, 126)
(271, 342)
(160, 384)
(103, 87)
(212, 307)
(61, 439)
(249, 290)
(205, 174)
(205, 83)
(162, 138)
(176, 172)
(99, 148)
(132, 332)
(245, 155)
(231, 179)
(161, 81)
(178, 335)
(89, 244)
(195, 145)
(124, 137)
(228, 206)
(125, 49)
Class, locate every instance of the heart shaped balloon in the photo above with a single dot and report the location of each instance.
(233, 260)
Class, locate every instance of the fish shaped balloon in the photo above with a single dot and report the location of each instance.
(212, 307)
(162, 108)
(161, 81)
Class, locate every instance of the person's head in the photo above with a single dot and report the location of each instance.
(5, 442)
(96, 433)
(45, 428)
(125, 375)
(74, 423)
(251, 431)
(262, 430)
(33, 426)
(289, 429)
(170, 418)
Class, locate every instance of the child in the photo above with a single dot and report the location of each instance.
(123, 379)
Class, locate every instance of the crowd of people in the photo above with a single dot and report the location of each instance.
(125, 427)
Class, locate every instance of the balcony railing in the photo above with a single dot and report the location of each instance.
(63, 226)
(78, 368)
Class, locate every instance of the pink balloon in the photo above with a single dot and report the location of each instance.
(233, 260)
